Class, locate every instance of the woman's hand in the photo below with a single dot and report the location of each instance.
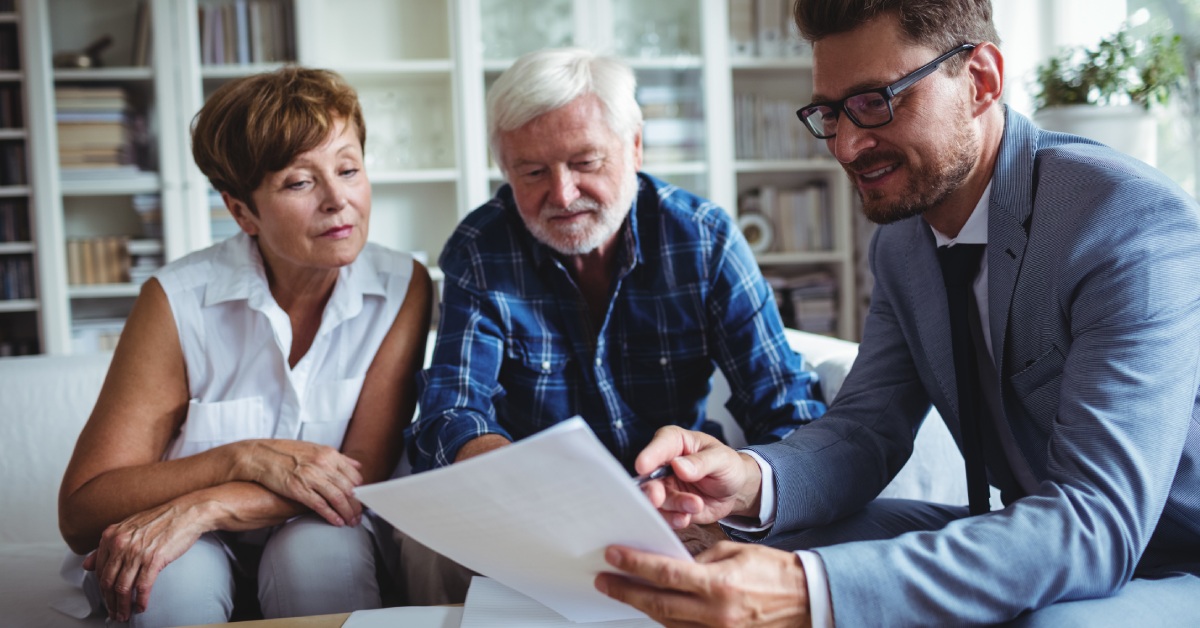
(317, 476)
(134, 551)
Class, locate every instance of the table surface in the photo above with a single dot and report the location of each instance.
(316, 621)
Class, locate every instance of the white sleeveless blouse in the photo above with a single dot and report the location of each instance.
(236, 340)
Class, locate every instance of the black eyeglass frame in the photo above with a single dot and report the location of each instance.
(888, 93)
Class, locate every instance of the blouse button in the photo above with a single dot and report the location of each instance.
(619, 424)
(546, 365)
(663, 360)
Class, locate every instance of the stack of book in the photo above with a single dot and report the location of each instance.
(145, 258)
(764, 28)
(673, 126)
(95, 335)
(800, 217)
(149, 211)
(767, 128)
(98, 260)
(16, 277)
(12, 163)
(92, 130)
(10, 54)
(241, 32)
(10, 347)
(14, 220)
(807, 302)
(10, 107)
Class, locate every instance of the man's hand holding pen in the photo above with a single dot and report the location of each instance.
(732, 583)
(707, 481)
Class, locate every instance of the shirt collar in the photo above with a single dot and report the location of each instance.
(975, 231)
(238, 274)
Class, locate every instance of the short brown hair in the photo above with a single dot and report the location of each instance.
(258, 124)
(938, 24)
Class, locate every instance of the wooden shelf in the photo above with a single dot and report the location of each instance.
(105, 291)
(398, 177)
(120, 186)
(788, 165)
(104, 75)
(16, 248)
(18, 305)
(417, 67)
(799, 258)
(770, 64)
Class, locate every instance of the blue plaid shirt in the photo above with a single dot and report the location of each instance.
(516, 350)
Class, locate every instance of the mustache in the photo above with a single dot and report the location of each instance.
(872, 161)
(581, 204)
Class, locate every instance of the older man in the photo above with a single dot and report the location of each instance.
(1040, 290)
(586, 288)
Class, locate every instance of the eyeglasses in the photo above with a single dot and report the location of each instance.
(869, 109)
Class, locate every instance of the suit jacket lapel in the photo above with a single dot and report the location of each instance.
(928, 296)
(1009, 209)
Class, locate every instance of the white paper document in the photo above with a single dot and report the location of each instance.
(535, 515)
(493, 605)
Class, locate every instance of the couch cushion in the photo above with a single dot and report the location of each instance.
(45, 402)
(29, 584)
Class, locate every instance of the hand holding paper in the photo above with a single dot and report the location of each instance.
(536, 516)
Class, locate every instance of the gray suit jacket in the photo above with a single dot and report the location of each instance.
(1094, 299)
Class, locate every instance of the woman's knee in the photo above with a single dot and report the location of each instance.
(310, 567)
(196, 588)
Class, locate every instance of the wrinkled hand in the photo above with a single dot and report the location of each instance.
(732, 584)
(133, 552)
(710, 481)
(698, 538)
(317, 476)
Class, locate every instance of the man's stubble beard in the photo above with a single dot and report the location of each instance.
(927, 187)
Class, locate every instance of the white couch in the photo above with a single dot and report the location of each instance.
(44, 402)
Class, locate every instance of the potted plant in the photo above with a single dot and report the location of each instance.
(1106, 92)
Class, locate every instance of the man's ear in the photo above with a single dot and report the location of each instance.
(637, 149)
(986, 70)
(241, 213)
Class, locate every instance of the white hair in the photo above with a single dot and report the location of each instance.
(540, 82)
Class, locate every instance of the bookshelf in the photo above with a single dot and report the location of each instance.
(422, 69)
(19, 304)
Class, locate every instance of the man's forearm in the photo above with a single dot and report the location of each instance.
(480, 445)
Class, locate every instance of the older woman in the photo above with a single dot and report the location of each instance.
(257, 382)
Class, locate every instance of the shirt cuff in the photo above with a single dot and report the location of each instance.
(766, 500)
(820, 602)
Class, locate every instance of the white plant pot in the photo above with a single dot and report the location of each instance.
(1127, 128)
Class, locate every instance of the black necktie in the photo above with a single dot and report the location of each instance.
(960, 264)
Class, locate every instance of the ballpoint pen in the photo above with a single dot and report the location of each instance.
(657, 474)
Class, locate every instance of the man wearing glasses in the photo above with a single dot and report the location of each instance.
(1040, 291)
